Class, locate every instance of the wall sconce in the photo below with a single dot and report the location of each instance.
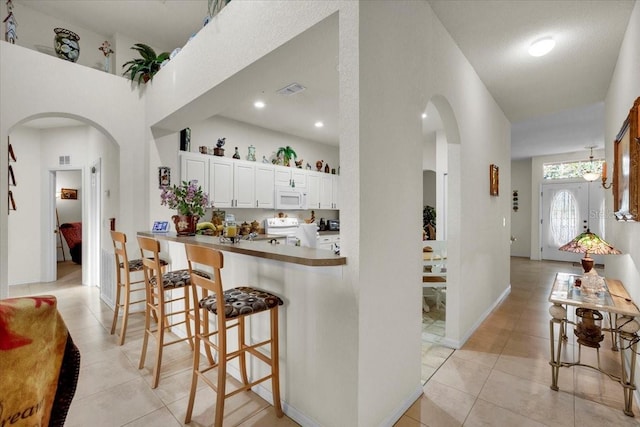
(604, 177)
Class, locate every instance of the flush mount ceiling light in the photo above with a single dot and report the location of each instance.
(541, 47)
(319, 124)
(258, 104)
(424, 115)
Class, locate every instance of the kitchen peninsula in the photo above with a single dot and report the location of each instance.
(315, 323)
(260, 249)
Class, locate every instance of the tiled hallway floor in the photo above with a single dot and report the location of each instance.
(499, 378)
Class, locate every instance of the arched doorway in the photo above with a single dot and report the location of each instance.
(54, 147)
(441, 168)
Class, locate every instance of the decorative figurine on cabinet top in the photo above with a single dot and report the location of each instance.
(319, 165)
(10, 23)
(252, 154)
(299, 163)
(218, 150)
(236, 154)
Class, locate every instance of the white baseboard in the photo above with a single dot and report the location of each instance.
(404, 406)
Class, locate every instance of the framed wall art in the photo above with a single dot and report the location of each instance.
(626, 168)
(68, 194)
(494, 180)
(164, 176)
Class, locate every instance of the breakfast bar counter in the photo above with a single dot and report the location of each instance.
(260, 249)
(318, 320)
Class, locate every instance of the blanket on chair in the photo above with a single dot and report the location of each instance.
(39, 364)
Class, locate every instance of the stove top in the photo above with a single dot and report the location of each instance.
(281, 226)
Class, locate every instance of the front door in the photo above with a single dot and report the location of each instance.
(568, 209)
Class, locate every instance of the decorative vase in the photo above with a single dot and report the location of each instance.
(185, 224)
(66, 44)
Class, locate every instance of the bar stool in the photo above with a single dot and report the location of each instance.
(159, 306)
(235, 305)
(124, 285)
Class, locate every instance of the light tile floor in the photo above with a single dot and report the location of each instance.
(500, 377)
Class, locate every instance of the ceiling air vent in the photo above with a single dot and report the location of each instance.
(65, 160)
(291, 89)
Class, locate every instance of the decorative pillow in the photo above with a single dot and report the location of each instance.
(241, 301)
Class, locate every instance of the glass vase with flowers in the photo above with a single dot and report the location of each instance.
(190, 201)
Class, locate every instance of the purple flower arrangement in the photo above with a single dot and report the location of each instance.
(188, 198)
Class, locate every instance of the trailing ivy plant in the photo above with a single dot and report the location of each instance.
(144, 68)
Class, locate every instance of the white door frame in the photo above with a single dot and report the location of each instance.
(90, 231)
(94, 215)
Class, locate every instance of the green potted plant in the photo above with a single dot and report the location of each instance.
(287, 154)
(143, 69)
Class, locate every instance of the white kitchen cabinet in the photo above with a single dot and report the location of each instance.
(335, 190)
(244, 175)
(290, 177)
(221, 182)
(264, 186)
(313, 190)
(194, 166)
(322, 190)
(328, 242)
(326, 191)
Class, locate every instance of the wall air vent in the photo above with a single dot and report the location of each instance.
(64, 160)
(293, 88)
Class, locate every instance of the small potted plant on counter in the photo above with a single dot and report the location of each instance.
(143, 69)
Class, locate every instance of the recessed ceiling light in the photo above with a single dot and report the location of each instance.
(319, 124)
(424, 115)
(258, 104)
(541, 47)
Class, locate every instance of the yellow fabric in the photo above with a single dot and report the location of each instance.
(33, 337)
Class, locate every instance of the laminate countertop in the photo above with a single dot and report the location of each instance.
(259, 249)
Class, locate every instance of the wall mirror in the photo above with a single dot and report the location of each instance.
(626, 175)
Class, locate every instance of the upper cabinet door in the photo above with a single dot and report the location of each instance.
(221, 182)
(299, 178)
(194, 166)
(265, 182)
(326, 191)
(244, 185)
(282, 177)
(313, 190)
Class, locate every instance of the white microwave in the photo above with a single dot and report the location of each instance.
(291, 198)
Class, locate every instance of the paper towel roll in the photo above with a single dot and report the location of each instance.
(308, 235)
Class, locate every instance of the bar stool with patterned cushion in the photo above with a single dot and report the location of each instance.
(230, 310)
(169, 311)
(124, 285)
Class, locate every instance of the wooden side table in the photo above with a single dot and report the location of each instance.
(614, 301)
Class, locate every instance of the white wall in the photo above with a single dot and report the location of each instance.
(24, 236)
(623, 90)
(72, 91)
(35, 31)
(523, 220)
